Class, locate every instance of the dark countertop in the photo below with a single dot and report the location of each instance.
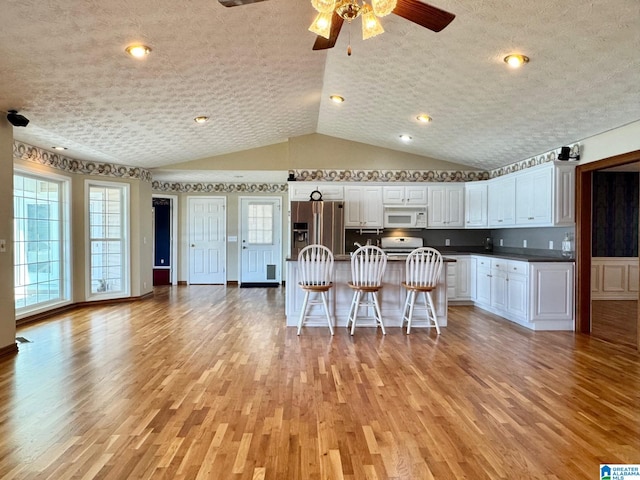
(446, 257)
(514, 256)
(390, 258)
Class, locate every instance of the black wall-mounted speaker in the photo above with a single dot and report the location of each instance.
(16, 119)
(565, 152)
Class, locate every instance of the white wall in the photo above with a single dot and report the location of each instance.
(7, 293)
(608, 144)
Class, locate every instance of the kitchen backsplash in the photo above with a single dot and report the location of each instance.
(537, 239)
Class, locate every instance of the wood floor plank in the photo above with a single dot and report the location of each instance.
(206, 382)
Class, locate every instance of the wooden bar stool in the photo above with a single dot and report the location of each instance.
(315, 274)
(423, 268)
(367, 267)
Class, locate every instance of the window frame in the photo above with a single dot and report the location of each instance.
(125, 236)
(65, 239)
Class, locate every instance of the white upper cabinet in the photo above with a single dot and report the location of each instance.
(502, 202)
(476, 206)
(363, 207)
(545, 195)
(302, 191)
(534, 197)
(408, 195)
(446, 206)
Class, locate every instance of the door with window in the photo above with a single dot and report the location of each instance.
(207, 240)
(260, 245)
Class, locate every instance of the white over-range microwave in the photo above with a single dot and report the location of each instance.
(405, 217)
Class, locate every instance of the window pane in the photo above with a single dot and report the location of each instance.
(260, 224)
(38, 240)
(107, 236)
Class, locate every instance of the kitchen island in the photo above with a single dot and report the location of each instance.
(391, 296)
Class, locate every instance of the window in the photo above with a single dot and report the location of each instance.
(260, 223)
(41, 241)
(108, 233)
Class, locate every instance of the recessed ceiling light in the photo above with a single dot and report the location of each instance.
(336, 98)
(59, 148)
(405, 138)
(138, 51)
(424, 118)
(201, 119)
(516, 60)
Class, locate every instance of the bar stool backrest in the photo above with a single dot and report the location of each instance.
(315, 266)
(367, 266)
(423, 267)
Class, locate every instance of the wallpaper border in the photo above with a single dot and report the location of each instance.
(33, 154)
(387, 175)
(30, 153)
(180, 187)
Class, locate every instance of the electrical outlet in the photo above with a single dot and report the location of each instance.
(524, 243)
(501, 242)
(550, 244)
(447, 242)
(3, 246)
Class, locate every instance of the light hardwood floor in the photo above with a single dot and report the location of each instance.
(615, 321)
(205, 382)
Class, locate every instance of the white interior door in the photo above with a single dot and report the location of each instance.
(207, 240)
(260, 240)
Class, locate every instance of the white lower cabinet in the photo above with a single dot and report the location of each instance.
(537, 295)
(461, 274)
(551, 305)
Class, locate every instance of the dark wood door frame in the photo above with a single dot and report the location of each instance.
(584, 225)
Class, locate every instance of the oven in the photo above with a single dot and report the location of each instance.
(400, 247)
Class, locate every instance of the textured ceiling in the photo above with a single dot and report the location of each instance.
(252, 70)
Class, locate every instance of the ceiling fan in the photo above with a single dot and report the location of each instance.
(415, 11)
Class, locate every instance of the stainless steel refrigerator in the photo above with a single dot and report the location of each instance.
(317, 223)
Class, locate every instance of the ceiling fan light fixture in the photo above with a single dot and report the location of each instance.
(382, 8)
(138, 51)
(324, 6)
(371, 26)
(515, 60)
(348, 9)
(322, 24)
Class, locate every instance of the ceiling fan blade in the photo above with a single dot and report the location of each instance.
(423, 14)
(324, 43)
(235, 3)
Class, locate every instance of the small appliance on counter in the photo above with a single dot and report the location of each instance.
(400, 246)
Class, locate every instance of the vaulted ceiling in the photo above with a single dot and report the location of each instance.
(252, 71)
